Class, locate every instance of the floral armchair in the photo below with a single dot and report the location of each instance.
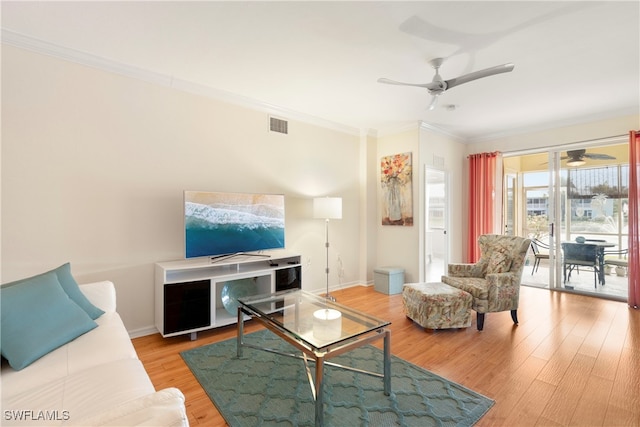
(493, 281)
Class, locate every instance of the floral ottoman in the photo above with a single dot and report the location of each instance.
(437, 305)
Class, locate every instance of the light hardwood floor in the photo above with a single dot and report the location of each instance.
(572, 361)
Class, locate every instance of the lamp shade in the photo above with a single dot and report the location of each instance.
(327, 207)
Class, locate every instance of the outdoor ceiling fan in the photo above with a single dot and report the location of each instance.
(438, 85)
(576, 157)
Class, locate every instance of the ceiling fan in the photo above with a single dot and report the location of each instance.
(438, 85)
(576, 157)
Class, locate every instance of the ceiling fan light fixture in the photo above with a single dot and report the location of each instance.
(575, 162)
(438, 85)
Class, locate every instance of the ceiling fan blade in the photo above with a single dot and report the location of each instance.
(576, 153)
(598, 156)
(498, 69)
(393, 82)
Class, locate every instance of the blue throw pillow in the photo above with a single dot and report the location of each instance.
(36, 317)
(71, 287)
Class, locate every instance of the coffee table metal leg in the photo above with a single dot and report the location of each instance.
(319, 391)
(240, 332)
(387, 363)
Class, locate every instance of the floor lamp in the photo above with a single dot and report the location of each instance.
(327, 208)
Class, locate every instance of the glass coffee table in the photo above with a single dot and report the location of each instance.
(320, 329)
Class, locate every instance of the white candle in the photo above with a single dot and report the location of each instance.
(327, 324)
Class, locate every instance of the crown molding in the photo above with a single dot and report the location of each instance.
(25, 42)
(419, 125)
(250, 103)
(43, 47)
(435, 129)
(368, 133)
(394, 130)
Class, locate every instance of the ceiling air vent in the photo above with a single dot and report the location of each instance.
(278, 125)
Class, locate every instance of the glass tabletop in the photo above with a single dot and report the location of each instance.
(311, 318)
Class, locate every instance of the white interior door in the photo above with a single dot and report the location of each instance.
(509, 204)
(436, 224)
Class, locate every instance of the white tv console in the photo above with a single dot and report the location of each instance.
(188, 292)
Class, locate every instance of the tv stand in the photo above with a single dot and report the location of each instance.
(188, 293)
(229, 256)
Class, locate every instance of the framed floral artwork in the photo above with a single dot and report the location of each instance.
(396, 174)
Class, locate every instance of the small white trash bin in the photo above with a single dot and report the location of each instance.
(388, 280)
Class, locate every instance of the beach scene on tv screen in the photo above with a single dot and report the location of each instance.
(229, 223)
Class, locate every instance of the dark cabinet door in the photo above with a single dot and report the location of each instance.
(187, 305)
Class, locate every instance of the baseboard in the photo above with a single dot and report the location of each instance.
(340, 287)
(142, 332)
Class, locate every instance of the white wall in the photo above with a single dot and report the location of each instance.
(369, 202)
(403, 246)
(398, 246)
(443, 152)
(94, 165)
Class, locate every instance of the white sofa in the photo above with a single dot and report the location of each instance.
(96, 379)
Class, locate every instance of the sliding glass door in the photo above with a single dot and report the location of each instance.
(574, 200)
(537, 208)
(594, 214)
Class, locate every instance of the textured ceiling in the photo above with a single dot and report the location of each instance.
(574, 61)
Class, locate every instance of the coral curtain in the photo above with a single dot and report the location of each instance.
(634, 208)
(482, 192)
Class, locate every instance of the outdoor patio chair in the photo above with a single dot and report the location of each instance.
(538, 247)
(576, 255)
(617, 258)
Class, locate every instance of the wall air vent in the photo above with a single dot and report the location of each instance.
(278, 125)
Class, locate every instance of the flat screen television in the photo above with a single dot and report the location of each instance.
(219, 224)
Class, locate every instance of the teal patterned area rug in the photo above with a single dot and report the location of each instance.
(266, 389)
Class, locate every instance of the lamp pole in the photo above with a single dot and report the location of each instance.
(329, 297)
(327, 208)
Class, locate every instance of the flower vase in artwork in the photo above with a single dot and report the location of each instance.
(394, 203)
(395, 176)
